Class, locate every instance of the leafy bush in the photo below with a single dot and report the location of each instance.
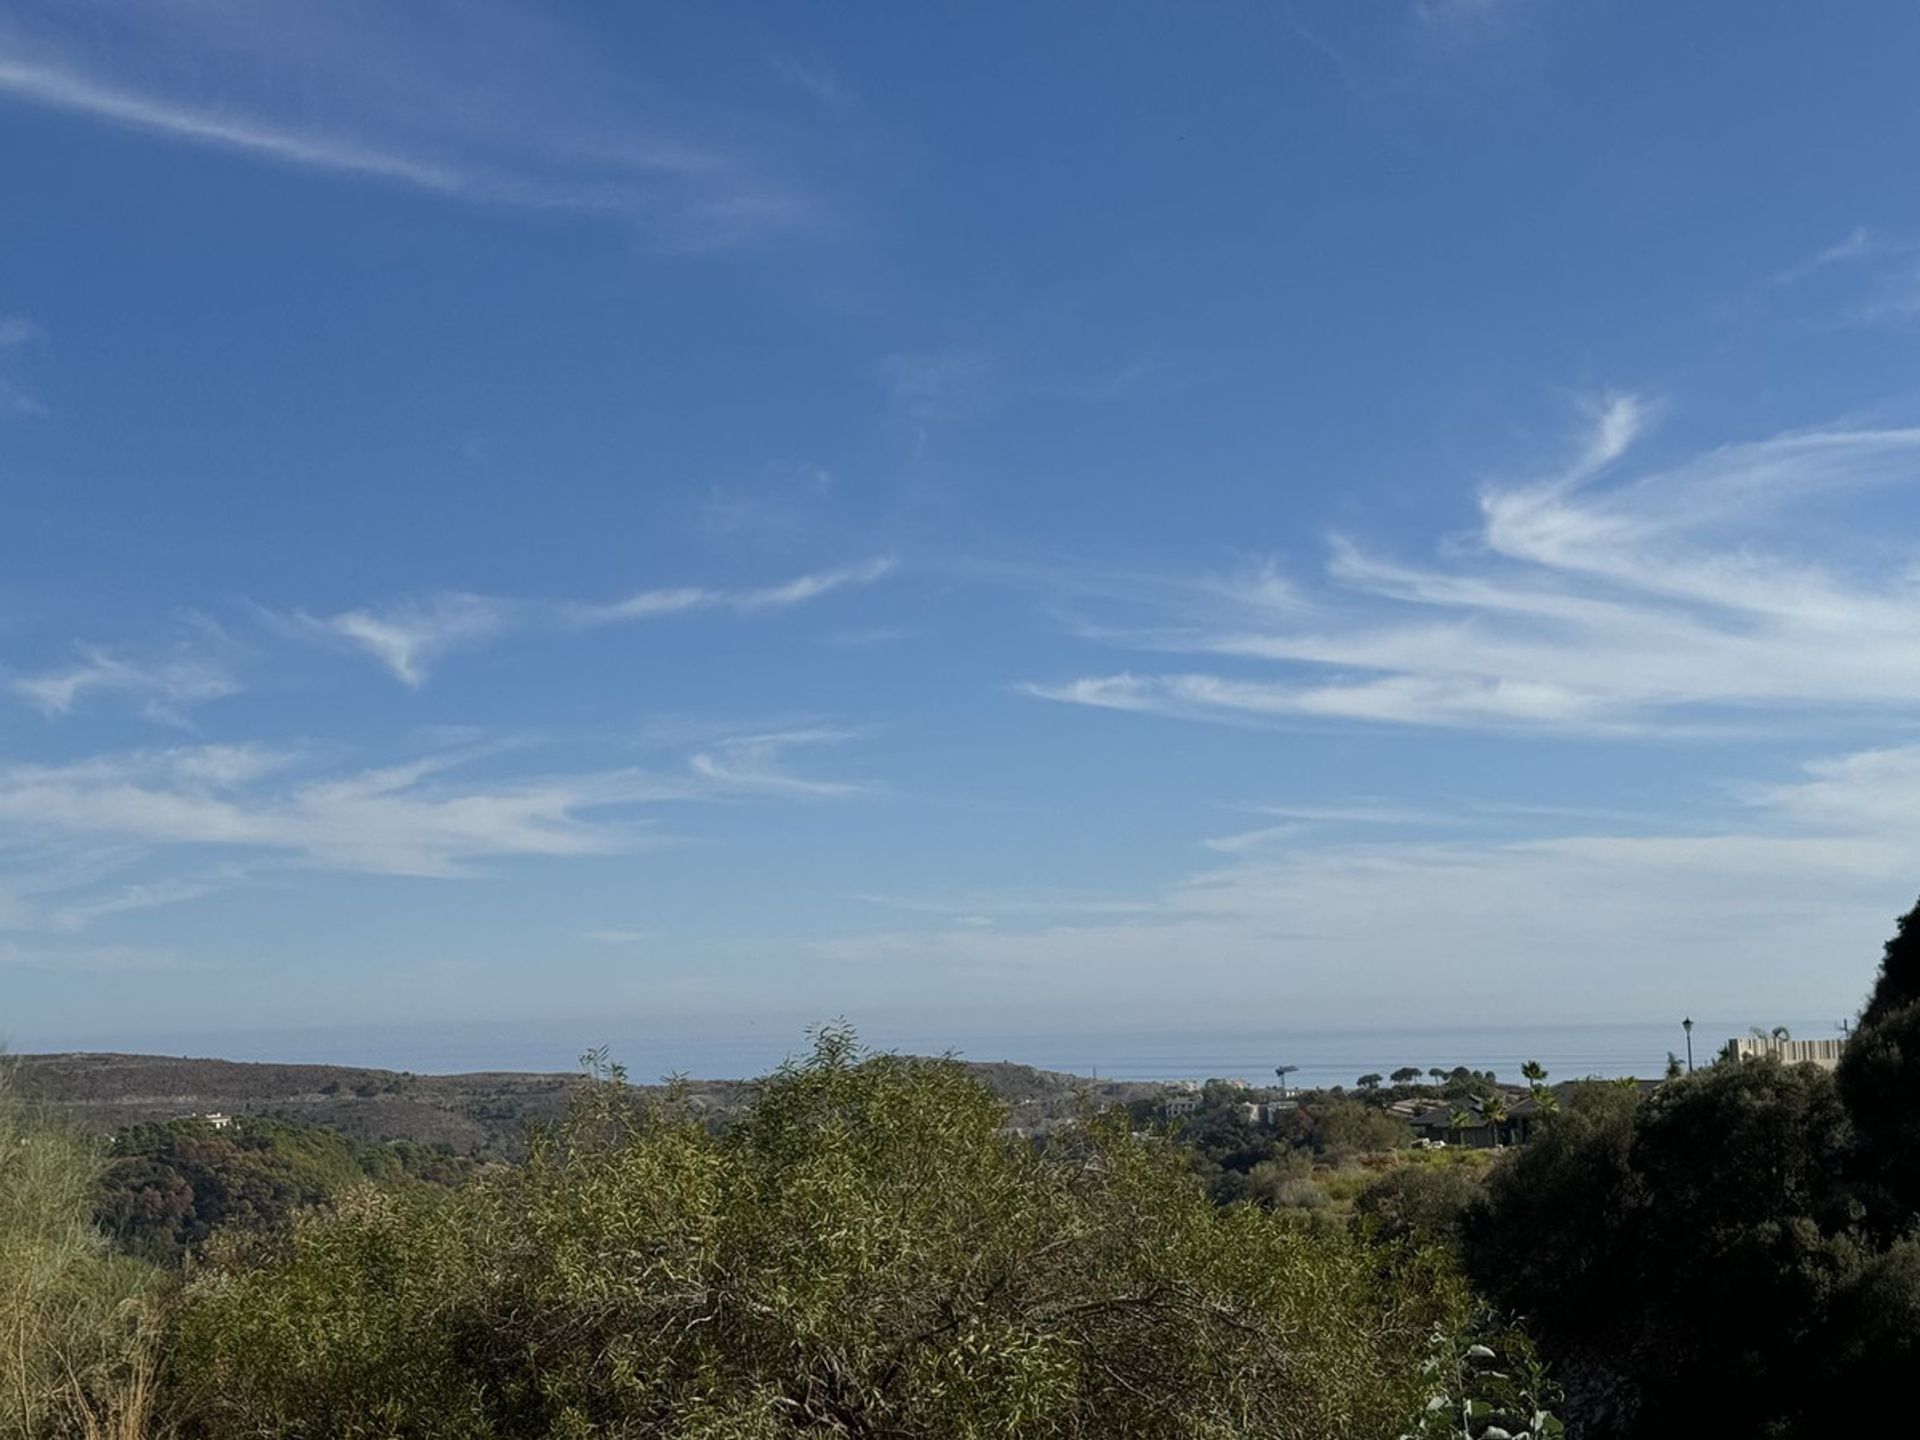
(865, 1253)
(75, 1347)
(1739, 1253)
(1880, 1083)
(169, 1187)
(1695, 1259)
(1345, 1128)
(1418, 1204)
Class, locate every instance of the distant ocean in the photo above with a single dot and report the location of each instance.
(713, 1050)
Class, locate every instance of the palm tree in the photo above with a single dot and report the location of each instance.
(1459, 1119)
(1283, 1071)
(1545, 1102)
(1496, 1112)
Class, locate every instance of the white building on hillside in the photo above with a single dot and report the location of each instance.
(1824, 1053)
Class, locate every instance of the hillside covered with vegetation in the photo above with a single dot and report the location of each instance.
(868, 1250)
(484, 1114)
(873, 1245)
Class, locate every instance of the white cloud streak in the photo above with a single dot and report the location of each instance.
(410, 636)
(480, 104)
(1584, 604)
(752, 763)
(17, 331)
(1777, 909)
(1867, 277)
(160, 827)
(61, 88)
(1860, 243)
(402, 820)
(163, 690)
(648, 604)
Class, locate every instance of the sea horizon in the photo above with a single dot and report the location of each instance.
(652, 1049)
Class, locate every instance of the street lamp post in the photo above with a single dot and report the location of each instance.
(1687, 1025)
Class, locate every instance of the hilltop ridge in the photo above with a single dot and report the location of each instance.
(481, 1112)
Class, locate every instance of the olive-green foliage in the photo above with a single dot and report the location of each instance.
(1239, 1161)
(1880, 1082)
(1696, 1259)
(1739, 1253)
(1898, 982)
(865, 1253)
(169, 1187)
(1495, 1387)
(1418, 1204)
(74, 1348)
(1344, 1128)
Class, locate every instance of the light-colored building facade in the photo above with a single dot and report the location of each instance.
(1824, 1053)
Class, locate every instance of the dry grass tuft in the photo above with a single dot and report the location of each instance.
(78, 1349)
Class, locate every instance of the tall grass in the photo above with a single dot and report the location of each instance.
(77, 1349)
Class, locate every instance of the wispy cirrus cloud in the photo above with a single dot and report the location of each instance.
(965, 382)
(143, 829)
(410, 636)
(16, 332)
(1868, 277)
(939, 385)
(1583, 603)
(414, 818)
(646, 604)
(83, 911)
(484, 104)
(1297, 820)
(755, 763)
(815, 78)
(161, 690)
(107, 959)
(1736, 901)
(1859, 243)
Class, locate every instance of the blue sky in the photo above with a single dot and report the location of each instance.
(1335, 514)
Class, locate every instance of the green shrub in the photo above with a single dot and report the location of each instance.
(1695, 1260)
(171, 1186)
(1420, 1204)
(75, 1345)
(864, 1253)
(1343, 1129)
